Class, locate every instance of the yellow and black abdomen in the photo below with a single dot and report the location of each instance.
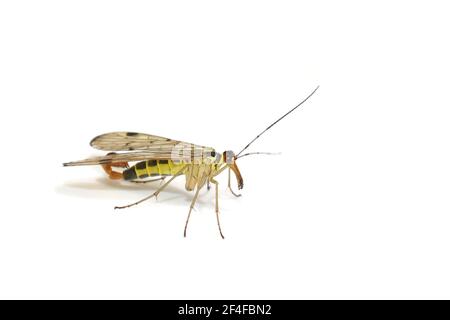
(152, 168)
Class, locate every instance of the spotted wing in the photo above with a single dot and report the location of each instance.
(128, 141)
(120, 157)
(140, 147)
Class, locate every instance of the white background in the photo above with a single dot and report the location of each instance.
(357, 205)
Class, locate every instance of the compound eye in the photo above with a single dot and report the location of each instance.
(213, 154)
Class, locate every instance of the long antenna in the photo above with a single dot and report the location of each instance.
(259, 135)
(266, 153)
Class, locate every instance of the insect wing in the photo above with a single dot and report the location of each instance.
(141, 146)
(119, 157)
(128, 141)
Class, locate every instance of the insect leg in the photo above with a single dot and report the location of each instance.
(190, 209)
(147, 181)
(229, 184)
(217, 205)
(154, 194)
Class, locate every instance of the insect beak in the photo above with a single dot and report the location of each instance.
(237, 173)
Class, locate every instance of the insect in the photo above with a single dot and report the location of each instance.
(155, 158)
